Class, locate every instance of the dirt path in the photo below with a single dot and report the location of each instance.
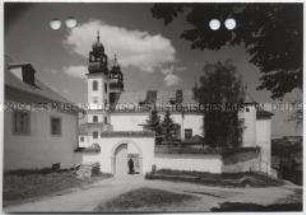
(88, 199)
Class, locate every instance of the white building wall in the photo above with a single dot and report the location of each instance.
(40, 149)
(85, 142)
(128, 121)
(189, 121)
(202, 163)
(99, 114)
(135, 122)
(100, 93)
(249, 132)
(263, 138)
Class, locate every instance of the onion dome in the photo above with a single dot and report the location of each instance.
(115, 72)
(98, 47)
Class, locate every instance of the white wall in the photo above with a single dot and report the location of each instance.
(99, 114)
(189, 121)
(249, 132)
(145, 146)
(128, 121)
(263, 140)
(100, 94)
(86, 142)
(134, 122)
(202, 163)
(40, 149)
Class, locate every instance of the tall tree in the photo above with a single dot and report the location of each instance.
(222, 93)
(272, 34)
(168, 126)
(154, 124)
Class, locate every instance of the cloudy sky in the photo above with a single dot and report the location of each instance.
(151, 55)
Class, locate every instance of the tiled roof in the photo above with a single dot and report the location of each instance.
(162, 97)
(40, 90)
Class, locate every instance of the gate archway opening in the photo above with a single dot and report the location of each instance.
(125, 155)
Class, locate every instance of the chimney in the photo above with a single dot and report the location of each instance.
(179, 96)
(24, 72)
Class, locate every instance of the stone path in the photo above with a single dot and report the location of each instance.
(88, 199)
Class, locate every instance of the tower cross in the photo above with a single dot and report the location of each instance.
(98, 36)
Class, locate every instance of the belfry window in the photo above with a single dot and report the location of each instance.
(95, 85)
(95, 118)
(95, 134)
(105, 87)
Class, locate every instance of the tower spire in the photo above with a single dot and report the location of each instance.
(98, 36)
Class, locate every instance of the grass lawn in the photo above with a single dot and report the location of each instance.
(211, 179)
(251, 207)
(144, 199)
(23, 185)
(292, 202)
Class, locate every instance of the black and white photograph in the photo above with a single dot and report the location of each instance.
(152, 107)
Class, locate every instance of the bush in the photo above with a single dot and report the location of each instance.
(238, 206)
(213, 179)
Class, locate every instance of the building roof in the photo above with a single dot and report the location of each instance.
(39, 92)
(163, 97)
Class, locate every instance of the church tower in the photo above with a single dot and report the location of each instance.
(98, 76)
(104, 85)
(116, 85)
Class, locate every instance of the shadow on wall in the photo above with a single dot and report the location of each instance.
(243, 160)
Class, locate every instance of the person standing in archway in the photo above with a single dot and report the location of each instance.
(131, 166)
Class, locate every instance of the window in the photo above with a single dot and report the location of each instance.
(95, 99)
(82, 139)
(105, 120)
(95, 118)
(95, 85)
(105, 87)
(56, 126)
(95, 134)
(21, 123)
(188, 133)
(247, 109)
(105, 103)
(112, 98)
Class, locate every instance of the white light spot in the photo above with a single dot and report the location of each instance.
(214, 24)
(230, 24)
(71, 22)
(55, 24)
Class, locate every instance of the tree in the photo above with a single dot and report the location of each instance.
(222, 93)
(168, 127)
(154, 124)
(272, 34)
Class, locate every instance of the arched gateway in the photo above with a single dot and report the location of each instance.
(124, 154)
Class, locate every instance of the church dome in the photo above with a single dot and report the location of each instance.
(98, 46)
(115, 71)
